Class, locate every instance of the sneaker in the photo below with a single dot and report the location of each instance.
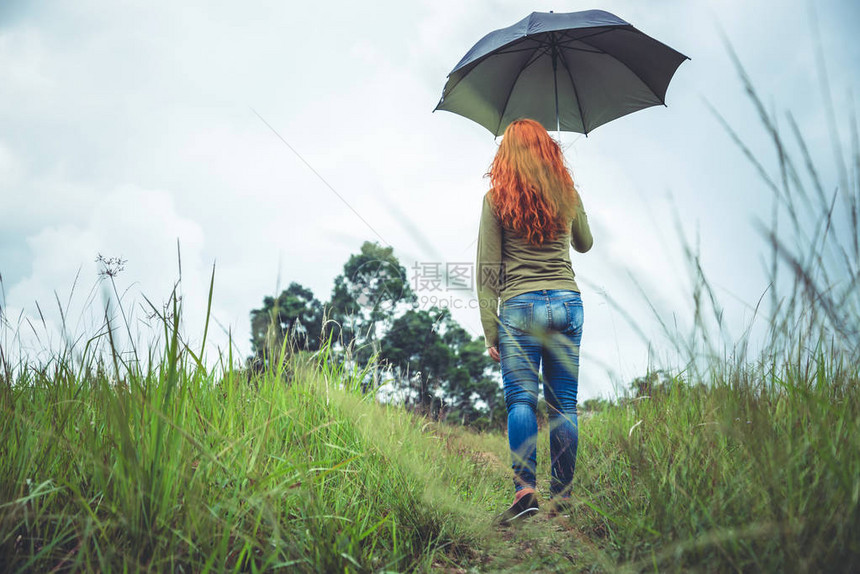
(525, 506)
(560, 506)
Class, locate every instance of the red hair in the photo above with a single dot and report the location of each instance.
(532, 190)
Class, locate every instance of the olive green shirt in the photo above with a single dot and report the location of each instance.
(507, 265)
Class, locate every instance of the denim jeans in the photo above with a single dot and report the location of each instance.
(541, 328)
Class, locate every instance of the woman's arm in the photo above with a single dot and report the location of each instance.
(580, 232)
(488, 273)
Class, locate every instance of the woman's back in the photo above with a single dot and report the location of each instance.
(508, 265)
(529, 267)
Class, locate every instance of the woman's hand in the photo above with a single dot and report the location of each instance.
(494, 353)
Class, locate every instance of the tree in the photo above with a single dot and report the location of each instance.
(468, 382)
(295, 314)
(434, 353)
(595, 405)
(654, 383)
(416, 349)
(436, 360)
(366, 296)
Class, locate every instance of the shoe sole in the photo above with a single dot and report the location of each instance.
(518, 517)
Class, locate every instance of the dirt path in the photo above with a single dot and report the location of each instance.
(540, 544)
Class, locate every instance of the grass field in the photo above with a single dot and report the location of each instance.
(175, 469)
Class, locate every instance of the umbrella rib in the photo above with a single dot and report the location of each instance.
(543, 47)
(544, 50)
(528, 63)
(626, 65)
(575, 93)
(474, 64)
(540, 45)
(546, 47)
(567, 38)
(595, 51)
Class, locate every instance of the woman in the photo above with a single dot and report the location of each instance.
(530, 217)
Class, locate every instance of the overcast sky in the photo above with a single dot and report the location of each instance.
(126, 126)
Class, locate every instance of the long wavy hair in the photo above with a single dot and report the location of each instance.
(532, 190)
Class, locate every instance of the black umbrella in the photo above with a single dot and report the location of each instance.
(571, 72)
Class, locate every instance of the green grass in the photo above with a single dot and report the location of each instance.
(753, 472)
(176, 469)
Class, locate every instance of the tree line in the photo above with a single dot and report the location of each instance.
(423, 357)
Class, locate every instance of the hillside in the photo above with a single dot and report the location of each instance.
(176, 470)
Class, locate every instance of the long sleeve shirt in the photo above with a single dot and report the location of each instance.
(507, 265)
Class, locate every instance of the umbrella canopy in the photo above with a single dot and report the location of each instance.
(570, 72)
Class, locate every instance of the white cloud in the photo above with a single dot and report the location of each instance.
(128, 125)
(10, 168)
(139, 226)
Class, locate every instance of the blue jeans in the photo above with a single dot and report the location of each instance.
(541, 327)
